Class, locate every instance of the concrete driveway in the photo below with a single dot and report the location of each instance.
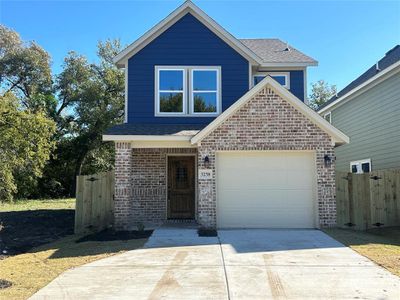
(240, 264)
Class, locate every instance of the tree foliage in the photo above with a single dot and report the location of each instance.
(321, 92)
(25, 144)
(57, 121)
(25, 71)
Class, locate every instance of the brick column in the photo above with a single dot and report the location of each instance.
(207, 198)
(123, 188)
(326, 188)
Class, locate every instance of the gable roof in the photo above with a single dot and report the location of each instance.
(276, 51)
(264, 52)
(338, 137)
(186, 7)
(390, 61)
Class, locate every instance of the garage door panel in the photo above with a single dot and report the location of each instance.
(292, 219)
(299, 179)
(258, 178)
(265, 189)
(259, 198)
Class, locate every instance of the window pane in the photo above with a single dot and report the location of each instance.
(171, 102)
(258, 78)
(365, 167)
(354, 169)
(281, 79)
(205, 102)
(171, 80)
(204, 80)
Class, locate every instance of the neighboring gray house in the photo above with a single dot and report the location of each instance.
(368, 111)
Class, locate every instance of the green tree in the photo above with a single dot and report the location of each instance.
(91, 99)
(321, 92)
(25, 144)
(25, 71)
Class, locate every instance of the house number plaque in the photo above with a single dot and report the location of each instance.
(205, 174)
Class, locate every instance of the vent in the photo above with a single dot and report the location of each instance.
(377, 67)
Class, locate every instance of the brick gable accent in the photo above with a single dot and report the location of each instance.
(267, 122)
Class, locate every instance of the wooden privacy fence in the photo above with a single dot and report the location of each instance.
(94, 202)
(368, 200)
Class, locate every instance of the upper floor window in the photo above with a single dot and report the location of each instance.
(182, 91)
(171, 91)
(361, 166)
(282, 78)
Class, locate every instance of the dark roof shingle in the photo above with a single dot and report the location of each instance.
(155, 129)
(276, 51)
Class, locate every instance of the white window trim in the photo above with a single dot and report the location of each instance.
(217, 91)
(286, 74)
(330, 117)
(187, 91)
(359, 163)
(157, 91)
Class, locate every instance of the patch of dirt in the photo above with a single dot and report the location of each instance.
(207, 232)
(111, 235)
(23, 230)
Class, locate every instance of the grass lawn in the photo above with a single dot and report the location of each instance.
(46, 225)
(21, 205)
(380, 245)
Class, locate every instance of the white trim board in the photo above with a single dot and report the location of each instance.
(132, 138)
(370, 83)
(186, 7)
(338, 137)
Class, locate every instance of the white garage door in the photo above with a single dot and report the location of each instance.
(265, 189)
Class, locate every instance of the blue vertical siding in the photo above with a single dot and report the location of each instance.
(187, 42)
(297, 84)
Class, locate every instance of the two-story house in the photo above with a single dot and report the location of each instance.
(216, 131)
(368, 110)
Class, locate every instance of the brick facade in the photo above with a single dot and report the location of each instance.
(266, 122)
(140, 184)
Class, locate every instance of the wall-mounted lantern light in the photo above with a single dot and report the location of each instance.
(327, 160)
(206, 161)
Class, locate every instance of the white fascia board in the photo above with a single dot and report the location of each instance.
(132, 138)
(121, 58)
(370, 83)
(162, 144)
(288, 64)
(337, 136)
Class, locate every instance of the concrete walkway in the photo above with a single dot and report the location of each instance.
(240, 264)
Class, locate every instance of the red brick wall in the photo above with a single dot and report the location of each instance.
(267, 122)
(145, 175)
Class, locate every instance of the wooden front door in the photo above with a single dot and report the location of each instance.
(181, 187)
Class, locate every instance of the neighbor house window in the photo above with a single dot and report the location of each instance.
(282, 78)
(360, 166)
(187, 91)
(328, 117)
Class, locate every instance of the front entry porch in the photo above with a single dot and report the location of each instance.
(154, 185)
